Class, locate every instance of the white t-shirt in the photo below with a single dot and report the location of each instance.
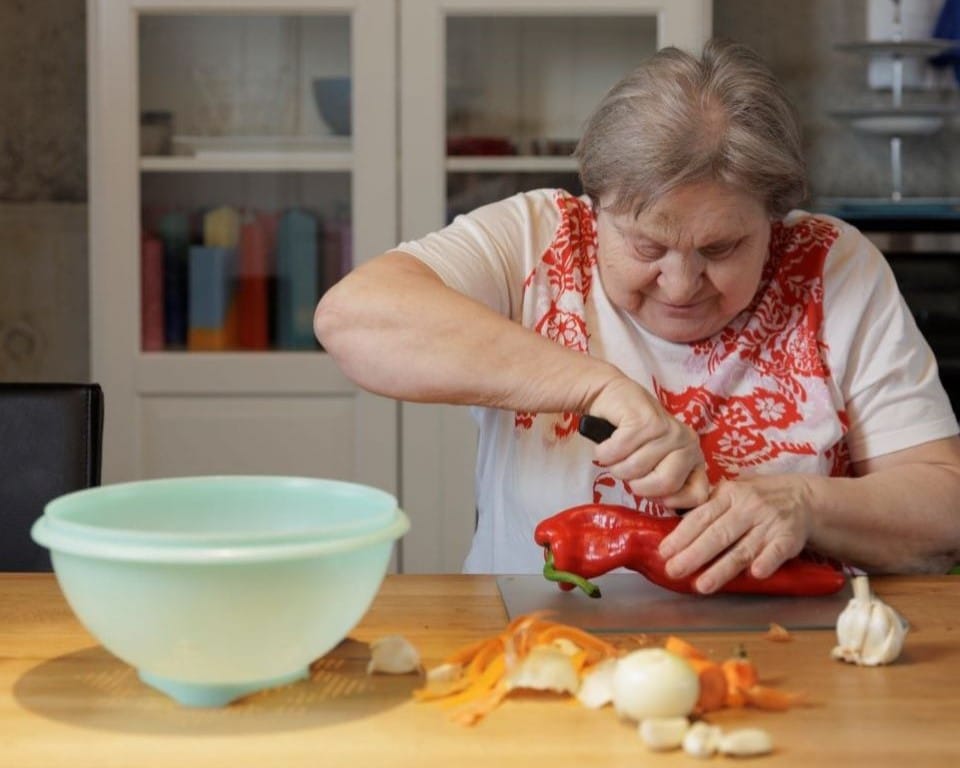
(825, 367)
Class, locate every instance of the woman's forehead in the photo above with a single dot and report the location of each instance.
(706, 199)
(702, 223)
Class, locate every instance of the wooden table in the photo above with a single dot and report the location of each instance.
(65, 701)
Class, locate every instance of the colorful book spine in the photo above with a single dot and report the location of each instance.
(174, 231)
(221, 229)
(252, 290)
(211, 282)
(269, 222)
(297, 280)
(151, 294)
(331, 253)
(337, 249)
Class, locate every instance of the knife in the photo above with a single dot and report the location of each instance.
(599, 429)
(595, 428)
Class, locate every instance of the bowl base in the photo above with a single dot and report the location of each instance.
(214, 695)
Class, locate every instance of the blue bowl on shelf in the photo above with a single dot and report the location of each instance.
(332, 96)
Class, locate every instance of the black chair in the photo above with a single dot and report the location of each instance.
(51, 438)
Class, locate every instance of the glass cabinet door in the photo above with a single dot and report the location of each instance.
(494, 97)
(512, 120)
(495, 93)
(242, 158)
(245, 177)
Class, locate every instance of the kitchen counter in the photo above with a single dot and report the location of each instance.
(66, 701)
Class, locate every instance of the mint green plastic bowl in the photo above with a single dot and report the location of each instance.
(215, 587)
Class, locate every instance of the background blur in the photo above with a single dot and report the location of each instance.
(44, 331)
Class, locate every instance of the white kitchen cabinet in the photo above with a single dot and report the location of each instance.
(235, 77)
(232, 80)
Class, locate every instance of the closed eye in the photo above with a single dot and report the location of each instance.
(720, 250)
(649, 252)
(647, 249)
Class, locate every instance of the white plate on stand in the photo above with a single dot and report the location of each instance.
(891, 121)
(905, 48)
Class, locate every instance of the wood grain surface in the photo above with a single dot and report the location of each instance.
(65, 701)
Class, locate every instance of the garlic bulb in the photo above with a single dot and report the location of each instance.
(702, 739)
(869, 632)
(393, 655)
(745, 742)
(662, 734)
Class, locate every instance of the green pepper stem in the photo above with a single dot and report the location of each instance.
(552, 574)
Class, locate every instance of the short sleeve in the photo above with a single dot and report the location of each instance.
(487, 253)
(885, 370)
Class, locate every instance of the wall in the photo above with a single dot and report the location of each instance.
(43, 251)
(798, 40)
(43, 189)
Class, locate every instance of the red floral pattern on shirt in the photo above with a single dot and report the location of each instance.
(561, 282)
(781, 337)
(734, 430)
(743, 413)
(781, 342)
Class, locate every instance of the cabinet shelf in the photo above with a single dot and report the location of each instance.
(509, 164)
(235, 80)
(268, 373)
(279, 161)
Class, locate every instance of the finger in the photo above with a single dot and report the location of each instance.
(642, 459)
(774, 554)
(720, 535)
(736, 559)
(669, 476)
(630, 438)
(694, 523)
(695, 491)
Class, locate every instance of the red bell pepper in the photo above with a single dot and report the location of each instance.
(587, 541)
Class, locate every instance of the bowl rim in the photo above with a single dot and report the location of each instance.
(55, 532)
(58, 541)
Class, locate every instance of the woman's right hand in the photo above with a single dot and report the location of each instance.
(657, 455)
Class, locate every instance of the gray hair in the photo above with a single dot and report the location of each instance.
(677, 119)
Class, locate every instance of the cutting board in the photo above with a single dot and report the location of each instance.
(630, 603)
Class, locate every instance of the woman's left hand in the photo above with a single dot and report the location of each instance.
(754, 523)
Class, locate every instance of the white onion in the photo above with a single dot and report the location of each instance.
(596, 688)
(653, 682)
(545, 668)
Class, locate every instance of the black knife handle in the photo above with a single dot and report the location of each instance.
(595, 428)
(599, 429)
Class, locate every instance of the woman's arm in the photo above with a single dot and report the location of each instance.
(396, 329)
(901, 514)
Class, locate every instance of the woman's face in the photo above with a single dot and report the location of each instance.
(686, 266)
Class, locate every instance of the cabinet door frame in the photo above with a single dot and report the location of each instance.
(127, 374)
(439, 442)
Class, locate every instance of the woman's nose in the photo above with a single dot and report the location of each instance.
(680, 276)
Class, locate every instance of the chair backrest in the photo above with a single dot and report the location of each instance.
(51, 438)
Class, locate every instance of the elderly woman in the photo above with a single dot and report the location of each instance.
(758, 362)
